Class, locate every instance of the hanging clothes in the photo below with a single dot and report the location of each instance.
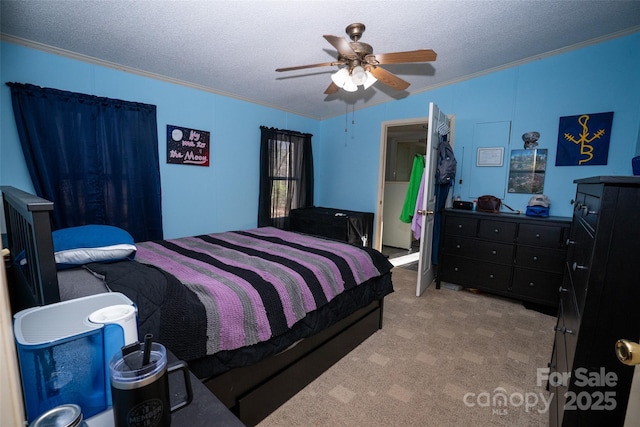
(441, 193)
(409, 206)
(416, 222)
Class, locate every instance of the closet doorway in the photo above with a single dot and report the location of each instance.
(402, 142)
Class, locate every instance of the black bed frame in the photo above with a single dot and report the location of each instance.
(251, 392)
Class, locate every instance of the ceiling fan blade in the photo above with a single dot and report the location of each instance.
(333, 88)
(302, 67)
(421, 55)
(342, 46)
(389, 78)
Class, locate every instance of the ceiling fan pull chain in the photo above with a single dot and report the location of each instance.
(346, 117)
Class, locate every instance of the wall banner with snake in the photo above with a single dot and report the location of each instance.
(584, 140)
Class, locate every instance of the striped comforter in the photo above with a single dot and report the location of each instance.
(255, 284)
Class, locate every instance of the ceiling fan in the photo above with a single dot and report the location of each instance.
(360, 66)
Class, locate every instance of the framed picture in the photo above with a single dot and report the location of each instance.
(186, 146)
(526, 171)
(490, 156)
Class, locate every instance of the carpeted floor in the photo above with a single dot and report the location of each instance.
(446, 358)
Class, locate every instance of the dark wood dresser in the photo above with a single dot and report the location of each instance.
(516, 256)
(598, 305)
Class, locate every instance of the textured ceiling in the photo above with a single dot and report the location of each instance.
(233, 47)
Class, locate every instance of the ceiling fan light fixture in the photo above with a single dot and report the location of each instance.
(340, 77)
(357, 61)
(350, 86)
(369, 81)
(358, 75)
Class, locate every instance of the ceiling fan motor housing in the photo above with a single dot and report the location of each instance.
(355, 31)
(359, 66)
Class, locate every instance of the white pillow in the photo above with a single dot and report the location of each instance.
(91, 243)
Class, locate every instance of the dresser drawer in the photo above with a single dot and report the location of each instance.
(479, 249)
(497, 230)
(540, 258)
(536, 285)
(586, 208)
(558, 388)
(474, 273)
(571, 325)
(483, 250)
(461, 226)
(587, 204)
(540, 235)
(579, 260)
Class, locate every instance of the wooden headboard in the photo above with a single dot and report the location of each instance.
(33, 277)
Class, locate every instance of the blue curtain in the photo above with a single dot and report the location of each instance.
(96, 158)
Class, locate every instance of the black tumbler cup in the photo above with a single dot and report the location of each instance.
(140, 387)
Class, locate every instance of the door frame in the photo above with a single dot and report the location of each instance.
(382, 166)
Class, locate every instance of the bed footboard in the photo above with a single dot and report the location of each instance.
(33, 279)
(253, 392)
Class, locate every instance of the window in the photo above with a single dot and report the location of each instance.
(286, 175)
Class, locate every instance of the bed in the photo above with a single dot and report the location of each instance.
(291, 306)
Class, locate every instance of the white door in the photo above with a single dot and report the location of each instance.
(425, 267)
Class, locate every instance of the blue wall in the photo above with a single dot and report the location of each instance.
(195, 199)
(530, 97)
(599, 78)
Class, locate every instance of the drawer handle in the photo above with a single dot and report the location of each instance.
(458, 246)
(535, 258)
(494, 252)
(496, 231)
(455, 269)
(563, 289)
(570, 242)
(460, 226)
(532, 284)
(579, 267)
(537, 235)
(491, 276)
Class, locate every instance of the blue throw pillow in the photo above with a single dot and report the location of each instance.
(91, 243)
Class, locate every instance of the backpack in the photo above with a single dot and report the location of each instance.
(446, 169)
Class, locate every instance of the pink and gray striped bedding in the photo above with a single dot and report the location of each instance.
(256, 284)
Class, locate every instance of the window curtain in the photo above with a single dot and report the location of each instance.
(95, 158)
(286, 175)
